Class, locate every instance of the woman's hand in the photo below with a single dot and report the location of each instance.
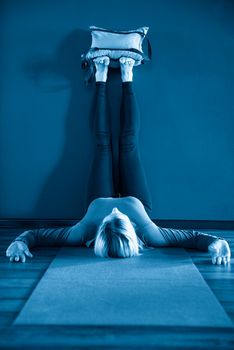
(220, 252)
(18, 251)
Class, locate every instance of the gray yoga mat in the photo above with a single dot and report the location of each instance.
(160, 287)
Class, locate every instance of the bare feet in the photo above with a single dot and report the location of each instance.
(101, 64)
(126, 66)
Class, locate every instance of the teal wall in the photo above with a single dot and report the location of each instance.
(185, 96)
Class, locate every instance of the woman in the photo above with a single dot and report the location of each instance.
(117, 220)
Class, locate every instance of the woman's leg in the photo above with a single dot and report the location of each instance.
(100, 182)
(132, 176)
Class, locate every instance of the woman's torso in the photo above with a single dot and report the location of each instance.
(101, 207)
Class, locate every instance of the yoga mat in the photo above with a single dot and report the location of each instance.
(160, 287)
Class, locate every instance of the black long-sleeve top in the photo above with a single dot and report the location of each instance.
(83, 233)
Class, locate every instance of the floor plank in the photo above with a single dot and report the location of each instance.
(118, 338)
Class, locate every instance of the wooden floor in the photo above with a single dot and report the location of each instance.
(17, 281)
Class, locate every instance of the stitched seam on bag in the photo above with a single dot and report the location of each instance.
(105, 48)
(118, 32)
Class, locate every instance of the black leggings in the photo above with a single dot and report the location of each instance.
(132, 180)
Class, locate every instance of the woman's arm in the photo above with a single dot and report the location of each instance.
(60, 236)
(156, 236)
(18, 250)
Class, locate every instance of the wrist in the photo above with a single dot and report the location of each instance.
(22, 240)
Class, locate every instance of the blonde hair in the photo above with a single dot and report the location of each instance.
(117, 238)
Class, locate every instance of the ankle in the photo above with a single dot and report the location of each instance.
(101, 77)
(126, 77)
(126, 66)
(101, 65)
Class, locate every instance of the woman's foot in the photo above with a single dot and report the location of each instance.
(101, 64)
(126, 66)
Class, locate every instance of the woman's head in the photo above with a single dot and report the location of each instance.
(116, 237)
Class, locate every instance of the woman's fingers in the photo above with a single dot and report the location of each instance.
(17, 257)
(27, 252)
(23, 258)
(10, 251)
(219, 259)
(214, 254)
(219, 256)
(214, 259)
(225, 260)
(20, 256)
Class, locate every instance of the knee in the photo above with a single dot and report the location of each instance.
(128, 141)
(103, 141)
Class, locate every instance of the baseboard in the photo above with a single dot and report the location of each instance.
(182, 224)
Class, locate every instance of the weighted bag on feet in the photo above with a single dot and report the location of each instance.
(115, 44)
